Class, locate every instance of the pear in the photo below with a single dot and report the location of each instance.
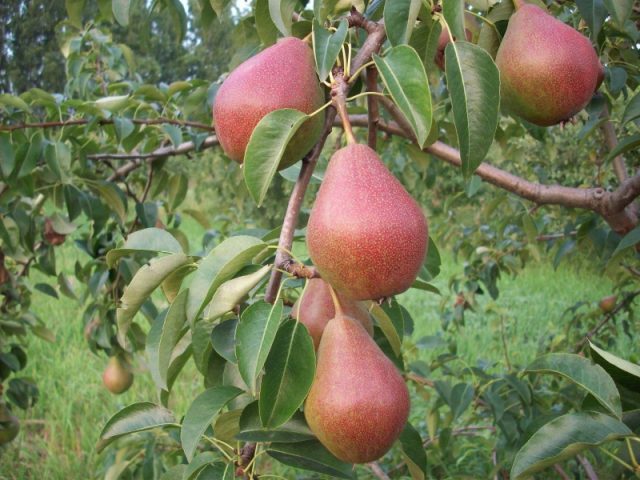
(117, 377)
(443, 41)
(548, 70)
(281, 76)
(358, 403)
(9, 424)
(366, 235)
(315, 308)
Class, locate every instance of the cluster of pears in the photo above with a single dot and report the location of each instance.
(117, 376)
(368, 239)
(548, 70)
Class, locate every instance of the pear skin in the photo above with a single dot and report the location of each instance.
(548, 70)
(358, 403)
(366, 235)
(281, 76)
(117, 377)
(315, 308)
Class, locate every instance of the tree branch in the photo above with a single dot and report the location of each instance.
(612, 206)
(372, 44)
(378, 471)
(106, 121)
(372, 104)
(611, 140)
(162, 152)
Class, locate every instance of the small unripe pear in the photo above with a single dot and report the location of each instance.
(281, 76)
(443, 41)
(548, 70)
(366, 235)
(607, 304)
(358, 403)
(117, 377)
(315, 308)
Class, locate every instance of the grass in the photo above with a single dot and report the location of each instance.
(59, 433)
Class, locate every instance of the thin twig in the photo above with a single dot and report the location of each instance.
(372, 104)
(105, 121)
(611, 140)
(560, 471)
(588, 468)
(378, 471)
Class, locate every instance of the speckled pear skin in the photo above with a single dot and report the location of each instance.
(281, 76)
(366, 235)
(315, 308)
(548, 70)
(358, 403)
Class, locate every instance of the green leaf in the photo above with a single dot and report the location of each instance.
(625, 145)
(231, 293)
(564, 437)
(622, 371)
(399, 18)
(223, 339)
(310, 455)
(255, 335)
(474, 86)
(267, 30)
(220, 265)
(584, 373)
(120, 10)
(281, 12)
(201, 414)
(629, 240)
(251, 429)
(453, 11)
(112, 103)
(7, 155)
(266, 147)
(404, 75)
(218, 6)
(632, 110)
(13, 101)
(138, 417)
(289, 372)
(151, 240)
(391, 330)
(74, 11)
(412, 447)
(620, 10)
(111, 195)
(163, 337)
(594, 13)
(327, 46)
(145, 281)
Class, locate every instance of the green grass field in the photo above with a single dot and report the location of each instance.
(59, 434)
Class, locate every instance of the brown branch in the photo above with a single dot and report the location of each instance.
(468, 431)
(293, 209)
(560, 471)
(372, 104)
(162, 152)
(105, 121)
(299, 270)
(612, 206)
(372, 44)
(414, 377)
(588, 468)
(378, 471)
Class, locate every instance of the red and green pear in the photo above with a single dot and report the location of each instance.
(548, 70)
(315, 308)
(117, 377)
(366, 235)
(358, 403)
(281, 76)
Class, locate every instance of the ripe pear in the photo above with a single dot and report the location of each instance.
(607, 304)
(281, 76)
(548, 70)
(366, 235)
(9, 424)
(358, 403)
(117, 377)
(315, 308)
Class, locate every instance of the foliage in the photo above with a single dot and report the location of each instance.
(93, 163)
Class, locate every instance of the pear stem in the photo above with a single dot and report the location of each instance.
(336, 302)
(518, 4)
(339, 90)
